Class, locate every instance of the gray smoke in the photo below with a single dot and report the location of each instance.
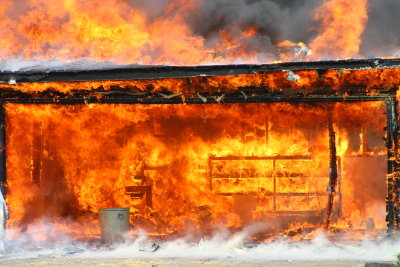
(382, 34)
(279, 20)
(153, 9)
(275, 20)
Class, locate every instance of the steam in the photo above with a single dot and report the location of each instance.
(30, 243)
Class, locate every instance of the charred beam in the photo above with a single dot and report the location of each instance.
(131, 72)
(2, 149)
(393, 176)
(314, 194)
(297, 157)
(333, 172)
(155, 99)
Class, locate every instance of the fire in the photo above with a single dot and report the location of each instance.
(98, 31)
(123, 33)
(190, 168)
(204, 165)
(369, 81)
(343, 23)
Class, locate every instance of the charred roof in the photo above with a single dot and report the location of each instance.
(136, 72)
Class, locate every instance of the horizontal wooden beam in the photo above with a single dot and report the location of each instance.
(133, 72)
(156, 99)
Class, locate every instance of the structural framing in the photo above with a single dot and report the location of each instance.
(202, 85)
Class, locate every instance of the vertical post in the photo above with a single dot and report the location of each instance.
(37, 152)
(266, 136)
(339, 185)
(149, 196)
(393, 181)
(210, 170)
(274, 174)
(333, 172)
(363, 140)
(2, 149)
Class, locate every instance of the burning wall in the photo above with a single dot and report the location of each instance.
(206, 165)
(229, 159)
(184, 167)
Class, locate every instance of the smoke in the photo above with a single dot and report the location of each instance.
(55, 65)
(153, 9)
(222, 245)
(276, 21)
(193, 32)
(59, 65)
(226, 25)
(382, 34)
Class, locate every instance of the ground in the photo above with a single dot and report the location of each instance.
(72, 262)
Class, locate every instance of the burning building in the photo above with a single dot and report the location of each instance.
(191, 148)
(298, 146)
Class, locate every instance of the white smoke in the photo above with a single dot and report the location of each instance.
(222, 245)
(58, 65)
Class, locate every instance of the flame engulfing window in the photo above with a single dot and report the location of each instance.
(184, 167)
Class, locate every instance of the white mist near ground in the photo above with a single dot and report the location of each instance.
(232, 247)
(36, 239)
(43, 240)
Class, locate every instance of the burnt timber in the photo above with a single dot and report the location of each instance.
(161, 72)
(333, 171)
(205, 84)
(326, 81)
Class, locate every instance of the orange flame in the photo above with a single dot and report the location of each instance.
(228, 165)
(343, 22)
(69, 161)
(116, 31)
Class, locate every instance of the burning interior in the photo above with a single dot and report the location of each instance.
(298, 146)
